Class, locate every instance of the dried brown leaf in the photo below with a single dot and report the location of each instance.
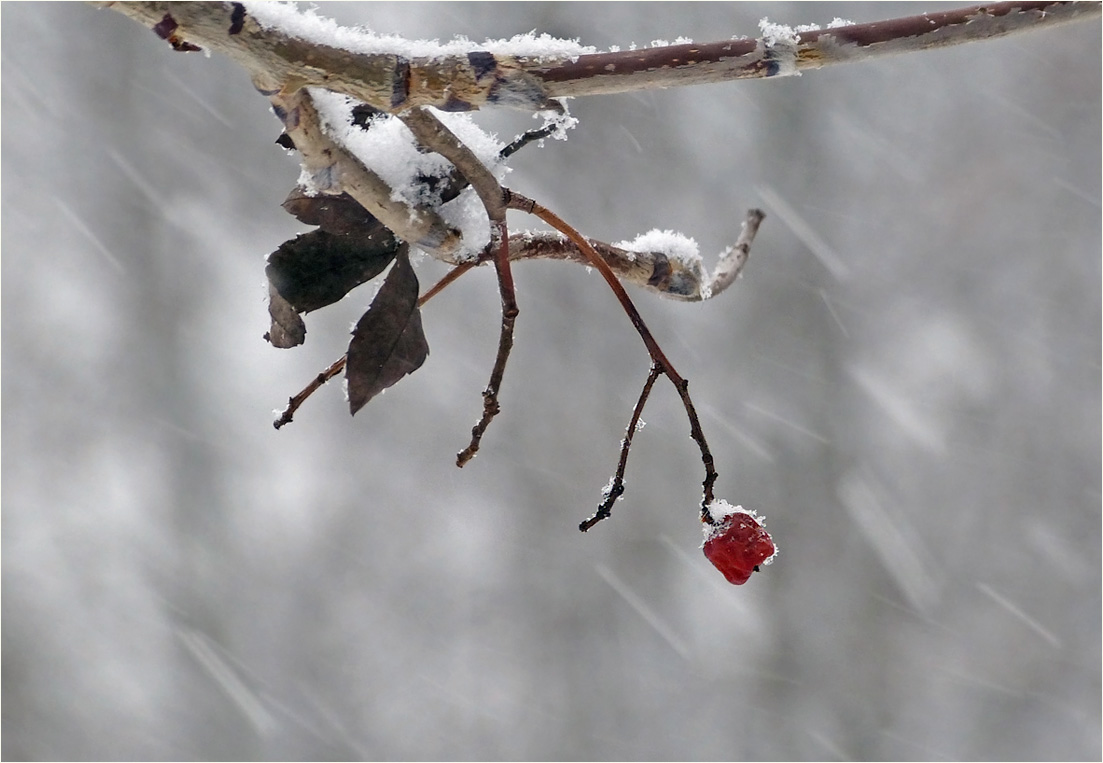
(288, 329)
(388, 341)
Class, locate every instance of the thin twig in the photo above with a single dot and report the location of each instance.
(616, 486)
(491, 407)
(525, 138)
(732, 261)
(296, 401)
(433, 134)
(517, 201)
(445, 280)
(338, 365)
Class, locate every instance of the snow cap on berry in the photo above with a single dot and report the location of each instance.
(736, 542)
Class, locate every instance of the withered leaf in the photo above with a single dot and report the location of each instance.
(341, 215)
(319, 268)
(288, 329)
(388, 341)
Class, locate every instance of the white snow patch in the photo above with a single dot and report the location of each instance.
(608, 489)
(309, 26)
(676, 246)
(838, 22)
(781, 43)
(721, 510)
(389, 150)
(562, 121)
(773, 33)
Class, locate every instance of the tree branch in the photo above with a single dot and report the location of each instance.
(772, 56)
(654, 271)
(334, 170)
(390, 82)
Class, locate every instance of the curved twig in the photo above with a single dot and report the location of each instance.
(655, 271)
(517, 201)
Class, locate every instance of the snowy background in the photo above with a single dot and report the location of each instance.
(906, 383)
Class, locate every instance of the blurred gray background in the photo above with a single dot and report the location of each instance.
(906, 383)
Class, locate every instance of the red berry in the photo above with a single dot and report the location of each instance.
(737, 545)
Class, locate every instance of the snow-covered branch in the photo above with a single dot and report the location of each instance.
(674, 271)
(784, 51)
(330, 168)
(284, 49)
(294, 58)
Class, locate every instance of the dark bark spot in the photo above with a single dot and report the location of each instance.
(363, 114)
(482, 63)
(455, 104)
(183, 46)
(165, 27)
(290, 119)
(237, 19)
(661, 272)
(400, 84)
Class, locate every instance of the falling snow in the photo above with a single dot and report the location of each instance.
(905, 382)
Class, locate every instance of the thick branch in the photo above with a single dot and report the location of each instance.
(695, 64)
(389, 82)
(277, 60)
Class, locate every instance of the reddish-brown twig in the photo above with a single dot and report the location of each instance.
(435, 135)
(517, 201)
(616, 486)
(505, 344)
